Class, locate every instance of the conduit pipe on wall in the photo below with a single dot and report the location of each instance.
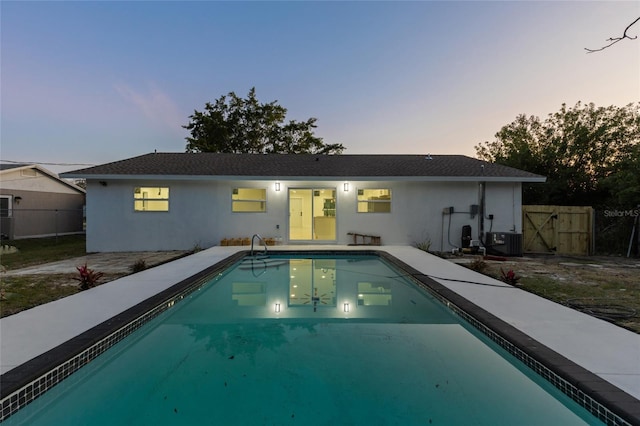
(481, 211)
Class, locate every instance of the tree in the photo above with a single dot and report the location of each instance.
(614, 40)
(236, 125)
(588, 154)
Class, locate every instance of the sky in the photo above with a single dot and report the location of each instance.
(91, 82)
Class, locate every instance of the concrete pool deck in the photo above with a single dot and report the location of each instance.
(608, 351)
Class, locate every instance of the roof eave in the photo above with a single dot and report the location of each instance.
(48, 173)
(536, 179)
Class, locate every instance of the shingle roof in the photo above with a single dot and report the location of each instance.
(11, 166)
(304, 166)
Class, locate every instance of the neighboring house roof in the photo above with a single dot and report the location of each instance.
(306, 166)
(11, 168)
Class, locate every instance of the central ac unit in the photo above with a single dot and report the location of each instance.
(505, 243)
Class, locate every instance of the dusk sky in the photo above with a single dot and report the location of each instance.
(95, 82)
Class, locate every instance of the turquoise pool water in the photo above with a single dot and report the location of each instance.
(286, 340)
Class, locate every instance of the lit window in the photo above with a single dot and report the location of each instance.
(374, 294)
(374, 201)
(249, 200)
(151, 199)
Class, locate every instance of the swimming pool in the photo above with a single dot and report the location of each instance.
(316, 340)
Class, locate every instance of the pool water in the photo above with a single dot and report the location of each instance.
(340, 340)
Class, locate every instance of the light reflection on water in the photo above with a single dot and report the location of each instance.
(225, 356)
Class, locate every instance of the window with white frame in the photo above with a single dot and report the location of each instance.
(249, 200)
(151, 199)
(374, 200)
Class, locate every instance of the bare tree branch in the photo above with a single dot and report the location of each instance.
(614, 40)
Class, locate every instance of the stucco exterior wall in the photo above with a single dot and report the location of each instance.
(200, 213)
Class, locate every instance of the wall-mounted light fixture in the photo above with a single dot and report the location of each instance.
(346, 187)
(277, 307)
(277, 186)
(17, 199)
(103, 183)
(346, 307)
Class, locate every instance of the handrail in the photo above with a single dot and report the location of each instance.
(259, 239)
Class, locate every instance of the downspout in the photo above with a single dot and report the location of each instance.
(481, 211)
(513, 206)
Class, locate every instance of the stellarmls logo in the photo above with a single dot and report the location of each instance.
(622, 213)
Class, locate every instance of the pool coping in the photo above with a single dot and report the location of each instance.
(604, 400)
(581, 385)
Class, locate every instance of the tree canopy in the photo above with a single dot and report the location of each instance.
(590, 155)
(236, 125)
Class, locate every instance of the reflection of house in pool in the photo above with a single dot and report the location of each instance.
(166, 201)
(290, 287)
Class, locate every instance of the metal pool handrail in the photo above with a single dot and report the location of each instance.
(259, 239)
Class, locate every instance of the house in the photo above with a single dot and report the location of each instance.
(35, 202)
(170, 201)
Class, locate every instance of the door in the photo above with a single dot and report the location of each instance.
(312, 214)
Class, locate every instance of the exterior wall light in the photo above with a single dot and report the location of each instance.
(346, 187)
(346, 307)
(277, 307)
(277, 186)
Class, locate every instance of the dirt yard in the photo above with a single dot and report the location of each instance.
(605, 287)
(34, 285)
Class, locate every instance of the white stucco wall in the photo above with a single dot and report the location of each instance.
(200, 213)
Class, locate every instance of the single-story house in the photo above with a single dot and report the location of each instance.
(178, 201)
(35, 202)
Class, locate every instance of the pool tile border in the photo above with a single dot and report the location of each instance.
(25, 383)
(602, 399)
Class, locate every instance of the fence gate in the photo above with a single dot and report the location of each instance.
(557, 229)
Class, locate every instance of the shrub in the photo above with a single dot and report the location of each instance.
(139, 265)
(478, 265)
(88, 277)
(509, 277)
(423, 245)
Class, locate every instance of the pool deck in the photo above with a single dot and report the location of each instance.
(604, 349)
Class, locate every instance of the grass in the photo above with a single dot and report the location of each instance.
(26, 291)
(614, 300)
(37, 251)
(18, 293)
(612, 294)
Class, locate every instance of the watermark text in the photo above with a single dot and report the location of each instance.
(622, 213)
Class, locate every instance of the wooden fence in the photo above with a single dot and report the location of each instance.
(557, 230)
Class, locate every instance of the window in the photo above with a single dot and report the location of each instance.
(151, 199)
(249, 200)
(374, 294)
(5, 206)
(374, 201)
